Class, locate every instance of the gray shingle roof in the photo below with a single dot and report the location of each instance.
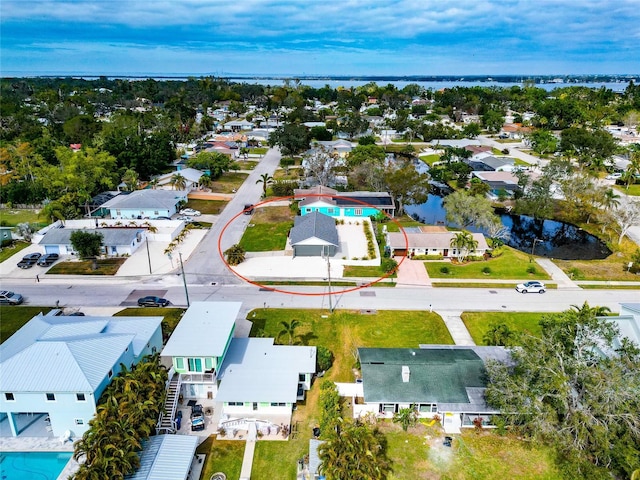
(438, 375)
(110, 236)
(314, 225)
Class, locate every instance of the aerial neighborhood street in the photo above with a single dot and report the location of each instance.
(272, 287)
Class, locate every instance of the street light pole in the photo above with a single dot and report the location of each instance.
(148, 254)
(533, 248)
(329, 278)
(184, 280)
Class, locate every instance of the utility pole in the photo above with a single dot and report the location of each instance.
(148, 254)
(329, 278)
(184, 281)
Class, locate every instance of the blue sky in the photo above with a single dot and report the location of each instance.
(319, 37)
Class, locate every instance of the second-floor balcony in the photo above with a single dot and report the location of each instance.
(198, 378)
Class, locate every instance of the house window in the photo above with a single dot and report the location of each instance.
(331, 211)
(51, 397)
(110, 374)
(208, 363)
(308, 210)
(302, 377)
(195, 364)
(118, 212)
(388, 408)
(179, 363)
(235, 404)
(79, 421)
(357, 211)
(427, 408)
(155, 212)
(9, 397)
(80, 397)
(278, 404)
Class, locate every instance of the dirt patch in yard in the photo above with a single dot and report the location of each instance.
(272, 215)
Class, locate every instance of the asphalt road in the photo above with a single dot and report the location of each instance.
(205, 265)
(86, 294)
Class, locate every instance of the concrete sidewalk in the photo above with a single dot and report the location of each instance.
(556, 273)
(456, 327)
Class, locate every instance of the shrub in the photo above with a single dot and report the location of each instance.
(531, 269)
(444, 270)
(486, 270)
(324, 358)
(287, 162)
(388, 265)
(427, 257)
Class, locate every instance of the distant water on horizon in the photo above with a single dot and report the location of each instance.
(344, 81)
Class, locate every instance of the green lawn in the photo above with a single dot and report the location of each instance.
(222, 456)
(212, 207)
(247, 164)
(478, 322)
(270, 228)
(106, 266)
(344, 331)
(364, 271)
(12, 318)
(404, 221)
(12, 249)
(228, 182)
(171, 316)
(511, 264)
(430, 159)
(10, 217)
(633, 190)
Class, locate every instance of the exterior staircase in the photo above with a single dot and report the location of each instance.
(166, 421)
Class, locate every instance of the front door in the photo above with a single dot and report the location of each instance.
(255, 406)
(445, 253)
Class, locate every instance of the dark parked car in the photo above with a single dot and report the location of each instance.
(162, 218)
(248, 209)
(32, 256)
(48, 259)
(152, 301)
(10, 298)
(197, 418)
(27, 262)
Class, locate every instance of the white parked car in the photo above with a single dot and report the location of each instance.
(532, 286)
(614, 176)
(190, 211)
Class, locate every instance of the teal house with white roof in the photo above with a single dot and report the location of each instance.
(55, 368)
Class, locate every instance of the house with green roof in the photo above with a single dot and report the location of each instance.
(444, 380)
(55, 368)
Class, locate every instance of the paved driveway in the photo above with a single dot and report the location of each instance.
(412, 273)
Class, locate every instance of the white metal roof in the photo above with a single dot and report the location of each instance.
(166, 457)
(203, 330)
(69, 354)
(256, 370)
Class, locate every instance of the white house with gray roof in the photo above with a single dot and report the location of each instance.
(258, 377)
(115, 241)
(145, 204)
(314, 235)
(55, 368)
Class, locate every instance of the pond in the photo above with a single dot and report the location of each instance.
(552, 239)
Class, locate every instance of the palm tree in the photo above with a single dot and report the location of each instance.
(153, 183)
(498, 334)
(406, 417)
(205, 181)
(610, 199)
(131, 179)
(178, 182)
(266, 180)
(633, 169)
(52, 210)
(585, 311)
(464, 243)
(289, 328)
(235, 255)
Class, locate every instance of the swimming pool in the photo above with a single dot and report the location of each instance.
(32, 465)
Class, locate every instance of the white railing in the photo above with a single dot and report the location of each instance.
(197, 377)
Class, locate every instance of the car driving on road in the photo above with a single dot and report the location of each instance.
(10, 298)
(531, 287)
(151, 301)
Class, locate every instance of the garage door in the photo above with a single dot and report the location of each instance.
(400, 252)
(51, 249)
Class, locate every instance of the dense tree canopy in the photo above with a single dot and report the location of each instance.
(577, 389)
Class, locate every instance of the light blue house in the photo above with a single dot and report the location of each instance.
(344, 204)
(145, 204)
(55, 368)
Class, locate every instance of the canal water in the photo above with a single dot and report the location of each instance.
(551, 238)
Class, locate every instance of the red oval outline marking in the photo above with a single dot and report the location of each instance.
(319, 294)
